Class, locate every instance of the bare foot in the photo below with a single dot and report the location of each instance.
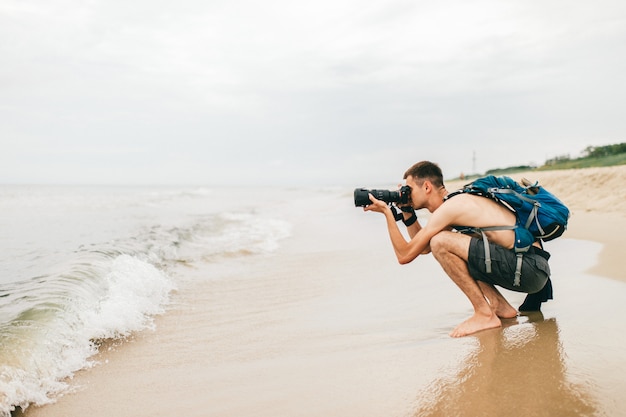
(475, 324)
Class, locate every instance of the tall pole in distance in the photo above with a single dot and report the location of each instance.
(474, 162)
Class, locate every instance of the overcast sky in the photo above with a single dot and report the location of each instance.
(314, 92)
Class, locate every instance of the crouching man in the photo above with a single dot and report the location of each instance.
(462, 256)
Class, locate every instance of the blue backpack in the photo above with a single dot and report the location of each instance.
(540, 214)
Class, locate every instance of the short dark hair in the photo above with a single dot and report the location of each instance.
(426, 170)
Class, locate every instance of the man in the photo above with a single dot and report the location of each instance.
(462, 256)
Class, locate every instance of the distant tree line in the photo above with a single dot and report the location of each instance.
(600, 151)
(591, 152)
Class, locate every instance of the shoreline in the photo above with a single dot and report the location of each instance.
(331, 325)
(601, 228)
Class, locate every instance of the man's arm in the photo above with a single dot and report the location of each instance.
(420, 237)
(414, 229)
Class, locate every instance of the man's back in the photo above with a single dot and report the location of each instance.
(476, 211)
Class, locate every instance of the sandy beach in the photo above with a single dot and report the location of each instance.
(331, 325)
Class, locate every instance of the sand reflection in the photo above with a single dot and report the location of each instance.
(516, 371)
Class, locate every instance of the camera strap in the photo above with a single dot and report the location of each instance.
(396, 214)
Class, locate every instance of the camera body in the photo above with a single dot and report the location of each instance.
(401, 196)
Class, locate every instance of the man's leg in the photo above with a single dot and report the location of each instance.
(498, 303)
(451, 251)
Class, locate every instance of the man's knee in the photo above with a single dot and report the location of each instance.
(440, 244)
(446, 242)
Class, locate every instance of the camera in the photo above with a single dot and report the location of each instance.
(362, 199)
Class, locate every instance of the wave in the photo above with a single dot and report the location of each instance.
(229, 234)
(59, 326)
(52, 325)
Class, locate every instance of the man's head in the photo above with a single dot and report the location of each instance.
(426, 181)
(425, 170)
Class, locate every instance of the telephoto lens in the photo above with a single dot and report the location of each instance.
(362, 199)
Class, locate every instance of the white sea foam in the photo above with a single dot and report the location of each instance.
(136, 291)
(241, 233)
(57, 344)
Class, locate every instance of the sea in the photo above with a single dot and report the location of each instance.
(83, 265)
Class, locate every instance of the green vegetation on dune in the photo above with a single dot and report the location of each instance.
(592, 156)
(510, 170)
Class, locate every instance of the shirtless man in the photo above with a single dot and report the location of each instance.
(462, 256)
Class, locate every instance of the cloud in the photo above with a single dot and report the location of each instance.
(331, 89)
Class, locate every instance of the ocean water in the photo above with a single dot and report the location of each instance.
(83, 265)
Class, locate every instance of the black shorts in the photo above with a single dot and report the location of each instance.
(535, 268)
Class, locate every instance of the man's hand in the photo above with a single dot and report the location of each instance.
(377, 205)
(406, 207)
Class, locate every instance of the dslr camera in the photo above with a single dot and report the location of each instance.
(401, 196)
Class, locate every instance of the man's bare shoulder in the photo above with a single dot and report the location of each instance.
(464, 200)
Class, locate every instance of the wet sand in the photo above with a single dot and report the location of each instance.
(331, 325)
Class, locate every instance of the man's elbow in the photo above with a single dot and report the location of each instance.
(403, 260)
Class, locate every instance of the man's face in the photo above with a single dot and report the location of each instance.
(418, 196)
